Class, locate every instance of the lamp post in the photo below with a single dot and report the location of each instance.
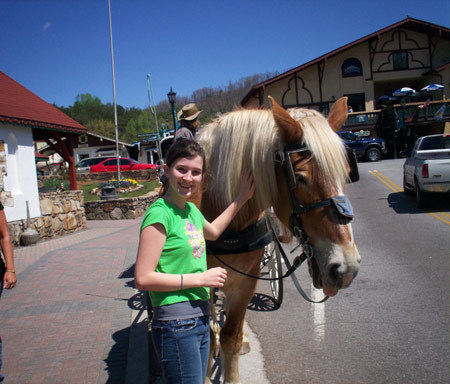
(171, 96)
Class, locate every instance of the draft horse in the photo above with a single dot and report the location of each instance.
(256, 139)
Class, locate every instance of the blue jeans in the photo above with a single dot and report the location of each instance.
(183, 349)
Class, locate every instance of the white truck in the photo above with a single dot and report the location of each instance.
(427, 169)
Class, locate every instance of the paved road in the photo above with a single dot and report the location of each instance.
(391, 325)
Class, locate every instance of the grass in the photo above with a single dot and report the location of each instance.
(148, 186)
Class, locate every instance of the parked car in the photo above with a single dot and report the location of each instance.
(84, 166)
(427, 169)
(126, 164)
(368, 148)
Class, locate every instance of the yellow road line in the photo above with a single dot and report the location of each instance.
(395, 188)
(439, 218)
(399, 189)
(378, 175)
(446, 214)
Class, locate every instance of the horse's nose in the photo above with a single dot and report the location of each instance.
(341, 275)
(337, 271)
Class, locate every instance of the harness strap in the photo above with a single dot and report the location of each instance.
(291, 268)
(297, 262)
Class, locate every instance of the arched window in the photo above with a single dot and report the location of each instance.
(351, 67)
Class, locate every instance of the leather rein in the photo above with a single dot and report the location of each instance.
(341, 203)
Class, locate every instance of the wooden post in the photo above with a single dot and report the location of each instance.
(67, 154)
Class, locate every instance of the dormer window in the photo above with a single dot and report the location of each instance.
(351, 67)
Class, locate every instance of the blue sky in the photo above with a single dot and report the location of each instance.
(61, 48)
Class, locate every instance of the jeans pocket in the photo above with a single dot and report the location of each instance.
(185, 325)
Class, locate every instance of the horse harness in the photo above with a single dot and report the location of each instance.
(262, 233)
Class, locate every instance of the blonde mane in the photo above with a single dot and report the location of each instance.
(249, 139)
(325, 145)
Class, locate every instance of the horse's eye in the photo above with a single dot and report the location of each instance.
(301, 179)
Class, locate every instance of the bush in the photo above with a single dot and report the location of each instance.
(56, 183)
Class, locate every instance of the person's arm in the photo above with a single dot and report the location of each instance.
(10, 279)
(213, 230)
(150, 248)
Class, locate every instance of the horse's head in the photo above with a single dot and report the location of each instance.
(315, 171)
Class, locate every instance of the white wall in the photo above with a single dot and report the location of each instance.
(20, 178)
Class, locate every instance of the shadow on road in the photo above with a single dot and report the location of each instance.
(116, 362)
(402, 203)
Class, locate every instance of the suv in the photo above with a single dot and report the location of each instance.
(84, 166)
(368, 148)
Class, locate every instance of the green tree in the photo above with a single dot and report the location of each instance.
(102, 127)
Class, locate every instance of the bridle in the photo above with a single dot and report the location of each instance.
(340, 202)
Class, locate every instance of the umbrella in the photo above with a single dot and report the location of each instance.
(403, 91)
(432, 88)
(386, 100)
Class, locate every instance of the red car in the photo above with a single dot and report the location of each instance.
(126, 164)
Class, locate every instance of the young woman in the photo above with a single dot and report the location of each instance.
(171, 264)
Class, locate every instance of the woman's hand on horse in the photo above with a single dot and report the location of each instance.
(214, 277)
(247, 187)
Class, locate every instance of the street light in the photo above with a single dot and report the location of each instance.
(172, 95)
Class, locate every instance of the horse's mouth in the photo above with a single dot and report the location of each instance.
(318, 281)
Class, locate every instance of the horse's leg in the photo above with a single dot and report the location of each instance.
(238, 297)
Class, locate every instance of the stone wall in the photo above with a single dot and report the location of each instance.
(119, 209)
(62, 213)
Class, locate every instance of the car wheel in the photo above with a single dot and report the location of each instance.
(406, 189)
(420, 196)
(373, 154)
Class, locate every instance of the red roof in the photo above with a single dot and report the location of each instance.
(18, 105)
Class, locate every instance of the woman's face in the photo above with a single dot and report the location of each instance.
(185, 175)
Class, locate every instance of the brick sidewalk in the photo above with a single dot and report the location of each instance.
(71, 315)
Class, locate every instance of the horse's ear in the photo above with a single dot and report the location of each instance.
(338, 114)
(289, 129)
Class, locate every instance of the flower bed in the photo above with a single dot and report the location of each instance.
(122, 186)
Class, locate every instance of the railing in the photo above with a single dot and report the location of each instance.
(362, 118)
(411, 111)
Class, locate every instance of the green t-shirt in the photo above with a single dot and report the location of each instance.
(184, 250)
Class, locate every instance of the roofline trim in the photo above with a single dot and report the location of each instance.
(41, 125)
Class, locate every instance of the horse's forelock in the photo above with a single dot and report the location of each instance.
(325, 145)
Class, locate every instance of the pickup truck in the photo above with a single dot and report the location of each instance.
(427, 169)
(369, 148)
